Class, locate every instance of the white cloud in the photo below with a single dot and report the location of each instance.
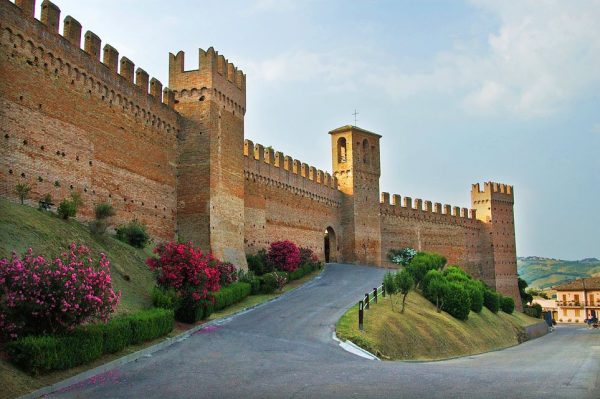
(542, 57)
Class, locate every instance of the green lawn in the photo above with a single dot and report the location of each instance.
(420, 333)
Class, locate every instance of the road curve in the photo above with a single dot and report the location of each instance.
(284, 349)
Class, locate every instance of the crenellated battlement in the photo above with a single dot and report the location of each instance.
(492, 191)
(283, 170)
(40, 43)
(215, 79)
(417, 208)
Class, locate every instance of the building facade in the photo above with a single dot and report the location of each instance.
(578, 300)
(177, 159)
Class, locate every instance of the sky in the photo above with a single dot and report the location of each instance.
(461, 91)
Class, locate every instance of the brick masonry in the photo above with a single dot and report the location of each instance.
(176, 159)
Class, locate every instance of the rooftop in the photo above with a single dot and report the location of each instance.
(590, 283)
(346, 128)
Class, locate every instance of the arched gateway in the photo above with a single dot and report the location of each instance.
(330, 245)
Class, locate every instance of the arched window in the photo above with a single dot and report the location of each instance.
(366, 158)
(341, 150)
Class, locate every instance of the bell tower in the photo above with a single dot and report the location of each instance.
(355, 164)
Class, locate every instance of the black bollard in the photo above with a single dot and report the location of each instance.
(367, 300)
(375, 294)
(360, 315)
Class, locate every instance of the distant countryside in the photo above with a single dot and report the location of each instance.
(545, 273)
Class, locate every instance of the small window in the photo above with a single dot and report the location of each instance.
(341, 150)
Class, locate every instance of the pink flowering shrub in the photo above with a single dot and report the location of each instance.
(228, 273)
(307, 256)
(192, 274)
(38, 296)
(284, 256)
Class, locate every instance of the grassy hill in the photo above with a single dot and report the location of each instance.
(420, 333)
(544, 272)
(22, 227)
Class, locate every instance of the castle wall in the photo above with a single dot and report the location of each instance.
(286, 199)
(72, 123)
(451, 231)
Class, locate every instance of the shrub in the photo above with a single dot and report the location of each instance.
(22, 190)
(491, 300)
(165, 298)
(284, 256)
(268, 283)
(258, 264)
(254, 282)
(435, 288)
(133, 233)
(457, 301)
(507, 304)
(193, 275)
(228, 273)
(281, 278)
(116, 334)
(39, 296)
(104, 211)
(86, 343)
(475, 288)
(66, 209)
(150, 324)
(307, 256)
(39, 354)
(234, 293)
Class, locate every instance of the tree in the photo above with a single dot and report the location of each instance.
(404, 283)
(437, 289)
(22, 191)
(389, 285)
(525, 296)
(457, 301)
(102, 211)
(401, 256)
(422, 263)
(491, 300)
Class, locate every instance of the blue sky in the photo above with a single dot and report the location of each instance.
(461, 91)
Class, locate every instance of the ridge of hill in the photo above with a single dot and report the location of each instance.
(540, 272)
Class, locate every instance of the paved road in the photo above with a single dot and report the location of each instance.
(284, 349)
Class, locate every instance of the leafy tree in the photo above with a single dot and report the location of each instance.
(401, 256)
(436, 288)
(422, 263)
(404, 283)
(389, 285)
(525, 296)
(22, 191)
(475, 289)
(66, 209)
(134, 233)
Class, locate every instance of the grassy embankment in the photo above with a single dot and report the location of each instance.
(420, 333)
(22, 227)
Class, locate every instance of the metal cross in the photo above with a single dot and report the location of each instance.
(355, 113)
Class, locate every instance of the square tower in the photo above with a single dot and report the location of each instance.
(355, 164)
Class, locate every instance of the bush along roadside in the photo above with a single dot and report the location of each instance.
(41, 354)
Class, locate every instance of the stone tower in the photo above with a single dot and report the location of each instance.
(494, 207)
(210, 191)
(355, 160)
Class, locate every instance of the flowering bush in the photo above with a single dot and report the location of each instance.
(307, 256)
(281, 280)
(39, 296)
(191, 273)
(284, 256)
(228, 273)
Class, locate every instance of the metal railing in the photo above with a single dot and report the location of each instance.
(364, 303)
(569, 303)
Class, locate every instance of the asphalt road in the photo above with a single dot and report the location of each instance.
(284, 349)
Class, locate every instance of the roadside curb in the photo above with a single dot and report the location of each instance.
(147, 352)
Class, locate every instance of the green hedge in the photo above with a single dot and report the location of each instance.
(231, 294)
(491, 300)
(303, 270)
(507, 304)
(39, 354)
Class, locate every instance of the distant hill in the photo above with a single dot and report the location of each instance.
(542, 272)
